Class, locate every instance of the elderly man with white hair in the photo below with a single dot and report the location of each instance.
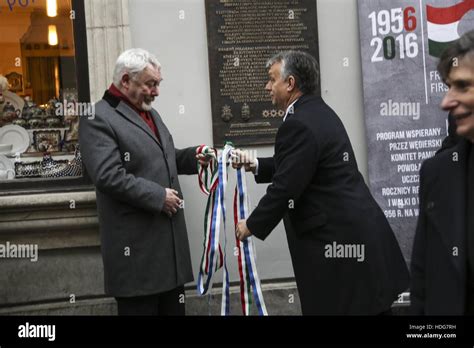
(130, 156)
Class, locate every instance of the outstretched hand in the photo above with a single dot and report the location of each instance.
(205, 158)
(241, 159)
(242, 232)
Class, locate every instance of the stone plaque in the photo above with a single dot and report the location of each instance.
(242, 36)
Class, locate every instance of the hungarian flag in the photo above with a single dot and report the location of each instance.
(443, 25)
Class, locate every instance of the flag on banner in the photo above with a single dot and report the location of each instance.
(443, 25)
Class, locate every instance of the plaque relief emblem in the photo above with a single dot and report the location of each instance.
(245, 113)
(227, 113)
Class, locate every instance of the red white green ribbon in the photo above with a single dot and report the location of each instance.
(249, 279)
(213, 182)
(208, 180)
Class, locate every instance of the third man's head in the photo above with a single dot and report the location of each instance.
(290, 75)
(457, 70)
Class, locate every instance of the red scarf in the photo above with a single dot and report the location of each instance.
(145, 115)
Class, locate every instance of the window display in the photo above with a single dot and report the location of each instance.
(38, 134)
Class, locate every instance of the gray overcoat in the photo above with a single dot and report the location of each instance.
(144, 251)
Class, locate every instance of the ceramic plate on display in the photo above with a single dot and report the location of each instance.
(7, 168)
(5, 149)
(17, 136)
(15, 100)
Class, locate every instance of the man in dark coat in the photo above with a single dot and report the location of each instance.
(443, 252)
(130, 156)
(452, 138)
(345, 256)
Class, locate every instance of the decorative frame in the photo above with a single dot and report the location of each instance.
(72, 134)
(15, 80)
(47, 141)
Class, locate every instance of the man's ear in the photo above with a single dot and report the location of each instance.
(291, 83)
(126, 81)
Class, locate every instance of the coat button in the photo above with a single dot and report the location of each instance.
(430, 205)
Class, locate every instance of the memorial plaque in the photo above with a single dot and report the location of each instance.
(242, 36)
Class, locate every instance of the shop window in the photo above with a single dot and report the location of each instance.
(44, 91)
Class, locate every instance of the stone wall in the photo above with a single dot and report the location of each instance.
(108, 34)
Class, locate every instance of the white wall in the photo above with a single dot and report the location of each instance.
(181, 47)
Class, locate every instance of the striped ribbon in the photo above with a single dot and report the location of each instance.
(213, 182)
(249, 279)
(208, 182)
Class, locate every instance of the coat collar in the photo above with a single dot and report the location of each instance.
(126, 111)
(305, 98)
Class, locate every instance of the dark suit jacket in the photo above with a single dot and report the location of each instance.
(144, 251)
(452, 139)
(439, 257)
(317, 185)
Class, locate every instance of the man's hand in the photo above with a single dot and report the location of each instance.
(243, 158)
(172, 202)
(205, 159)
(242, 232)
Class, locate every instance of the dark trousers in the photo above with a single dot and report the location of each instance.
(166, 303)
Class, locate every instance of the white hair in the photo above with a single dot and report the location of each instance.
(133, 62)
(3, 83)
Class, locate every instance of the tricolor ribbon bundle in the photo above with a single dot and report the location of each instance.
(213, 182)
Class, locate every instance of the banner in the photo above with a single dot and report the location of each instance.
(401, 42)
